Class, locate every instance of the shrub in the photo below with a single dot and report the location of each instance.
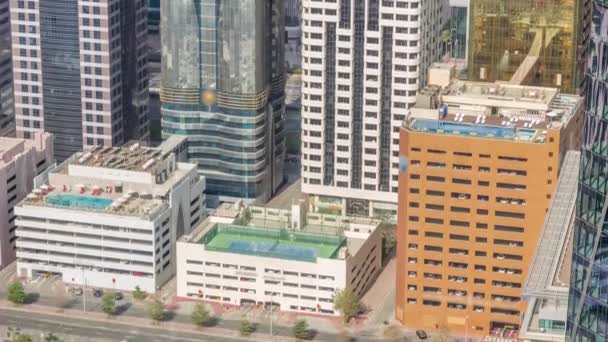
(16, 293)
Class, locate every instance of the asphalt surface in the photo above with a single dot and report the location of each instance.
(89, 329)
(102, 330)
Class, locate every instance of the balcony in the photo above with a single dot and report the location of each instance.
(457, 306)
(458, 293)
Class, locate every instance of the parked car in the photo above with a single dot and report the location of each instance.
(97, 293)
(77, 291)
(118, 296)
(421, 334)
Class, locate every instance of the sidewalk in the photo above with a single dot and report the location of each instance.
(130, 321)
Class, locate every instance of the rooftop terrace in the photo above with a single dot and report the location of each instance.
(94, 199)
(131, 157)
(510, 124)
(272, 243)
(500, 91)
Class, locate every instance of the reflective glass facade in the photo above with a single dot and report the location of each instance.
(588, 303)
(459, 21)
(503, 33)
(222, 86)
(153, 15)
(60, 45)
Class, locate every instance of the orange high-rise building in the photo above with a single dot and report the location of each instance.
(476, 178)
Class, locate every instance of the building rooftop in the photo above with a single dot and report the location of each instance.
(489, 109)
(7, 146)
(269, 232)
(132, 157)
(132, 180)
(274, 243)
(549, 275)
(95, 199)
(11, 147)
(473, 117)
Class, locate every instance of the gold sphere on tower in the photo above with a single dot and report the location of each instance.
(209, 97)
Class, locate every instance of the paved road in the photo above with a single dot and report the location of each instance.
(84, 328)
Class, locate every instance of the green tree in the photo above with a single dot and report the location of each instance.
(16, 293)
(300, 330)
(201, 315)
(156, 311)
(21, 338)
(52, 338)
(108, 303)
(138, 294)
(246, 328)
(347, 303)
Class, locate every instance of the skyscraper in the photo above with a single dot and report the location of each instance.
(588, 303)
(362, 65)
(459, 28)
(153, 16)
(292, 12)
(529, 42)
(222, 86)
(80, 71)
(7, 117)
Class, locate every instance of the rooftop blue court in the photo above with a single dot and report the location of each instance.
(274, 243)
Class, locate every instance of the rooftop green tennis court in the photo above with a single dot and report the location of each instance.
(274, 243)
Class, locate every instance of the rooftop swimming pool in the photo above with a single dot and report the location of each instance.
(78, 201)
(489, 131)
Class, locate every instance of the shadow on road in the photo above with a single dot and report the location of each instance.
(168, 316)
(122, 308)
(32, 298)
(213, 321)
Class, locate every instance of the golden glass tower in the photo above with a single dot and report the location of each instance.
(530, 42)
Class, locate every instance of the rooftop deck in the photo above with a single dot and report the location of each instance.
(513, 131)
(133, 157)
(84, 197)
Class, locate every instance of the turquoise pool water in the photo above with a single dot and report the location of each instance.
(78, 201)
(427, 125)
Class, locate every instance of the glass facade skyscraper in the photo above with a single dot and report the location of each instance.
(223, 86)
(7, 115)
(153, 16)
(542, 37)
(459, 20)
(588, 303)
(80, 72)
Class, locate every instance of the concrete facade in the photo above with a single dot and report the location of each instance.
(110, 218)
(294, 284)
(476, 179)
(363, 63)
(20, 161)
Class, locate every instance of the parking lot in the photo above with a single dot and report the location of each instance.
(49, 289)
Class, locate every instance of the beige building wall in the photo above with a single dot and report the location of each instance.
(20, 161)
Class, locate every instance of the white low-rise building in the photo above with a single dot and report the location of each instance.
(299, 269)
(110, 218)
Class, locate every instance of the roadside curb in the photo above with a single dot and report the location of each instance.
(141, 323)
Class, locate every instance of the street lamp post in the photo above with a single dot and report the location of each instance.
(271, 307)
(466, 328)
(84, 291)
